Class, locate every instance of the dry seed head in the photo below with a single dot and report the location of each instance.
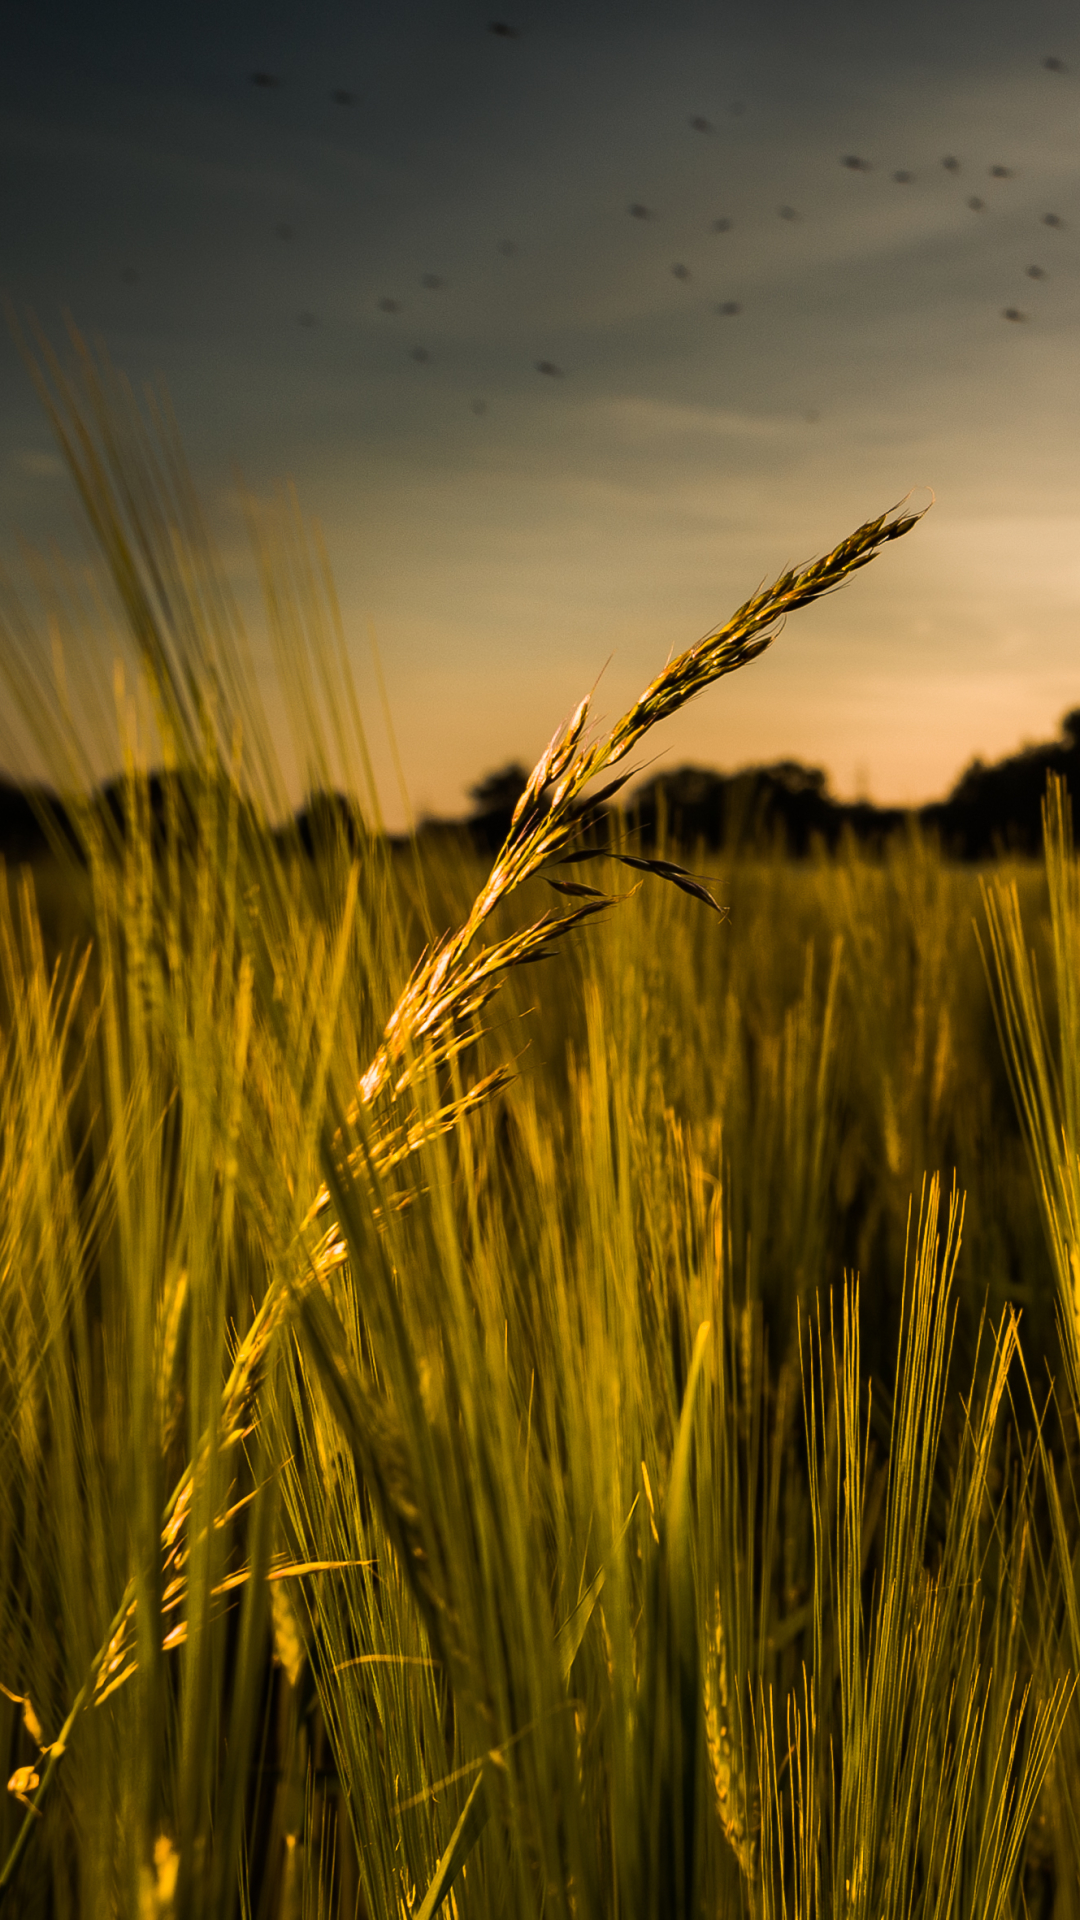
(159, 1888)
(536, 782)
(571, 738)
(553, 761)
(751, 630)
(733, 1792)
(30, 1719)
(288, 1642)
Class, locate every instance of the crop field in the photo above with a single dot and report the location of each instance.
(591, 1438)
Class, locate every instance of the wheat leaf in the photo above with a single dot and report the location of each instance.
(575, 888)
(697, 892)
(663, 869)
(474, 1818)
(572, 1632)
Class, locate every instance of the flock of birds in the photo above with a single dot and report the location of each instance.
(952, 165)
(637, 210)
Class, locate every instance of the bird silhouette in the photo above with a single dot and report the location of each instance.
(699, 123)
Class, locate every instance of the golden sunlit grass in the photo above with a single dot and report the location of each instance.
(431, 1473)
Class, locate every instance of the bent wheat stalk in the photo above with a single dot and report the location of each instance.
(434, 1020)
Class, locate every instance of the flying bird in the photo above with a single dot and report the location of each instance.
(432, 281)
(639, 212)
(681, 272)
(549, 367)
(1054, 65)
(788, 213)
(1036, 273)
(342, 98)
(389, 306)
(1001, 173)
(975, 204)
(1012, 313)
(950, 163)
(903, 177)
(265, 80)
(700, 124)
(856, 164)
(729, 307)
(502, 30)
(721, 226)
(1053, 220)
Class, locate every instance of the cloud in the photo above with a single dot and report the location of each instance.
(640, 418)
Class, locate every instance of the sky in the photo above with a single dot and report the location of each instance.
(571, 333)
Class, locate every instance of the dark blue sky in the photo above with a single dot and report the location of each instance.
(360, 292)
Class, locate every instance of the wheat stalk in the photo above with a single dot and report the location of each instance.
(434, 1019)
(552, 809)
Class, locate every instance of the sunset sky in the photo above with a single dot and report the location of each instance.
(353, 276)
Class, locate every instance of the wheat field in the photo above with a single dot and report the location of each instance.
(587, 1439)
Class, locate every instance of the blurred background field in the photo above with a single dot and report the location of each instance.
(835, 1034)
